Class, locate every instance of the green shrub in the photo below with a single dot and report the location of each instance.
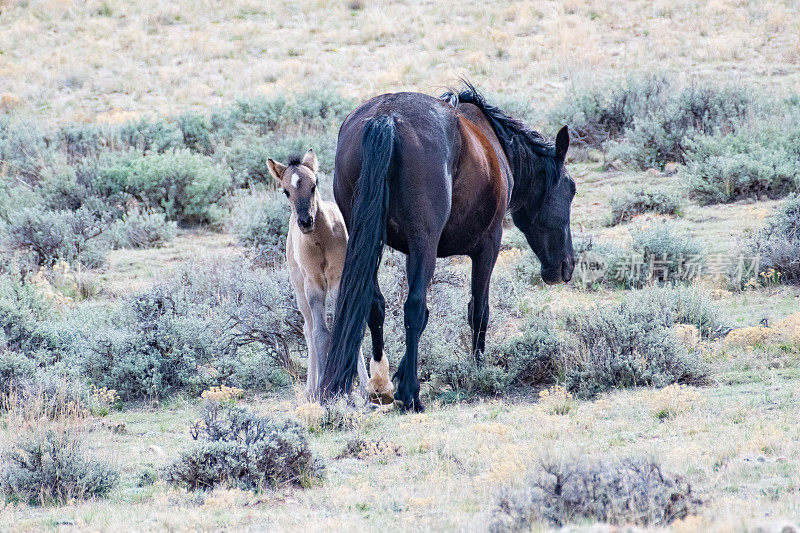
(162, 350)
(81, 140)
(323, 107)
(650, 120)
(681, 305)
(314, 109)
(25, 150)
(149, 136)
(757, 162)
(627, 346)
(536, 357)
(215, 323)
(23, 319)
(196, 131)
(240, 449)
(186, 187)
(248, 163)
(630, 491)
(72, 188)
(666, 256)
(777, 244)
(53, 467)
(261, 222)
(14, 368)
(52, 236)
(600, 263)
(142, 229)
(632, 203)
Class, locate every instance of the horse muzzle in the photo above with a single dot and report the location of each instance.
(558, 274)
(306, 225)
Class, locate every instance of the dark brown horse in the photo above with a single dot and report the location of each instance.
(434, 177)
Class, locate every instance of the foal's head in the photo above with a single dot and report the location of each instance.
(299, 181)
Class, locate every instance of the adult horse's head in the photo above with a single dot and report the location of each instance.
(542, 213)
(299, 182)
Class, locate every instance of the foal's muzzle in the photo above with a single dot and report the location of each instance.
(306, 224)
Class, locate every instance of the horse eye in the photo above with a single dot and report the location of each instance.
(286, 193)
(313, 187)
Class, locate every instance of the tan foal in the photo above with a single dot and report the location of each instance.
(315, 251)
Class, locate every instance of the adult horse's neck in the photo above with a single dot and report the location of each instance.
(530, 157)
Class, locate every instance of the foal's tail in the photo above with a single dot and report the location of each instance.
(364, 250)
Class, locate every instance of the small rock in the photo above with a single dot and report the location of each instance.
(616, 164)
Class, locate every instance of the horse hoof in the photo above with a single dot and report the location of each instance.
(415, 406)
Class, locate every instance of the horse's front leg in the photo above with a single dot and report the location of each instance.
(420, 265)
(321, 335)
(478, 309)
(298, 284)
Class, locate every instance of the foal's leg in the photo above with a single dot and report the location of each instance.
(478, 310)
(315, 291)
(312, 376)
(420, 265)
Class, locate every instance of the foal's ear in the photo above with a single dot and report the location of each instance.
(276, 169)
(562, 142)
(310, 160)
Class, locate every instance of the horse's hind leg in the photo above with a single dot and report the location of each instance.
(380, 388)
(420, 265)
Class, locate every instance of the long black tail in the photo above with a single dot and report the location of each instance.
(364, 251)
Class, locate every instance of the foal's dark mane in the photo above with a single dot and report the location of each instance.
(294, 160)
(524, 149)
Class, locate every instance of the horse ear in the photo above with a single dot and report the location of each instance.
(276, 169)
(310, 160)
(562, 142)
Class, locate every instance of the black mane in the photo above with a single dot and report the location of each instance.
(524, 149)
(294, 159)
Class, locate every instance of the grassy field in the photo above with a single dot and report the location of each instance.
(736, 439)
(104, 60)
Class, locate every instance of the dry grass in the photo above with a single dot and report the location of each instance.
(102, 60)
(739, 445)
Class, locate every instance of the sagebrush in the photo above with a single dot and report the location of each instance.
(631, 491)
(52, 466)
(238, 448)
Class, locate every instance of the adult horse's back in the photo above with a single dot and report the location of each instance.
(434, 177)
